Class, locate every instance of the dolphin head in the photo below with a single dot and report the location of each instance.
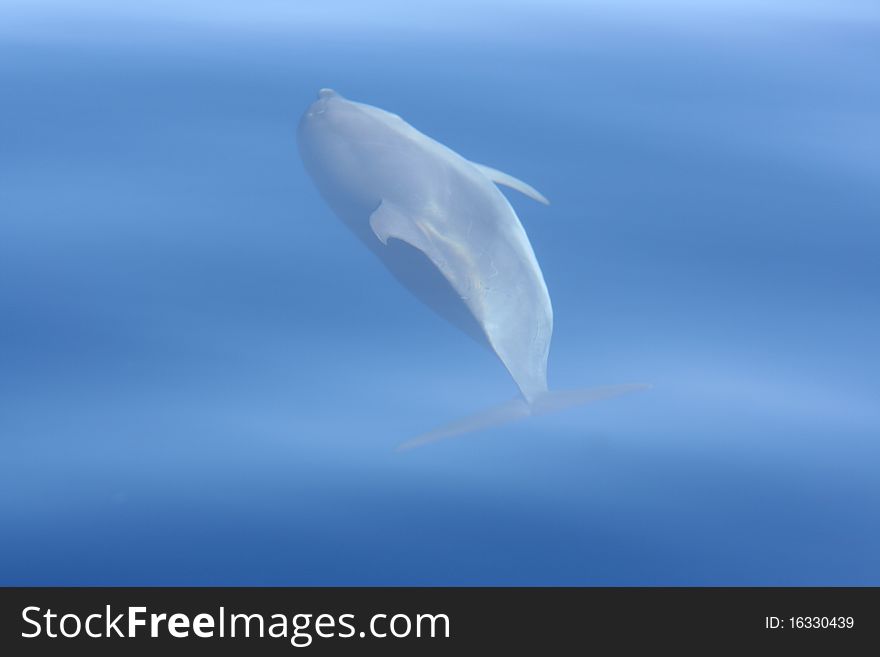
(326, 98)
(332, 115)
(330, 112)
(321, 134)
(329, 137)
(320, 114)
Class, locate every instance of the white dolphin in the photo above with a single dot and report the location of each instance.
(444, 230)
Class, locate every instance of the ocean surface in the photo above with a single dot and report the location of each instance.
(203, 375)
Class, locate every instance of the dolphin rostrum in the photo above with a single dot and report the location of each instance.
(444, 230)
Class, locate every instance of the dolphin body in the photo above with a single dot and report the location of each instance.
(440, 224)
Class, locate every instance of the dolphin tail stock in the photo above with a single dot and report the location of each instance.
(550, 401)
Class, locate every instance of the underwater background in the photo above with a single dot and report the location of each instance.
(203, 375)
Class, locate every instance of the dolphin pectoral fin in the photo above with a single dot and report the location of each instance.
(501, 178)
(387, 222)
(420, 267)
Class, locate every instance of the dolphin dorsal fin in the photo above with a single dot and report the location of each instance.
(501, 178)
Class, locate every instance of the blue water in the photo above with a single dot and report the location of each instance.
(203, 375)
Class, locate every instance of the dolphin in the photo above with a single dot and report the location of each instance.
(442, 227)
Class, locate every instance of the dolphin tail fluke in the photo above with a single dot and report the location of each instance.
(517, 409)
